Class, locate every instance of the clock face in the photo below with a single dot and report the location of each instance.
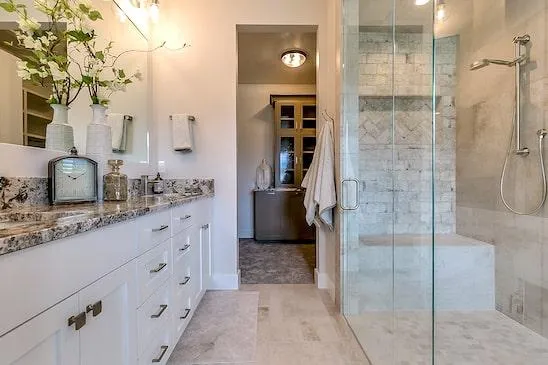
(74, 179)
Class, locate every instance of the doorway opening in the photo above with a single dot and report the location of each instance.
(276, 136)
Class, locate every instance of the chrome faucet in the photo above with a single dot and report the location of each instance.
(155, 186)
(145, 183)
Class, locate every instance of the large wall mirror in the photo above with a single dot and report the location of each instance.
(24, 108)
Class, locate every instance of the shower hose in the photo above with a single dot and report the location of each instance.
(541, 134)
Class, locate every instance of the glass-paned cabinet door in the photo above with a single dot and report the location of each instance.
(287, 117)
(309, 116)
(309, 145)
(286, 160)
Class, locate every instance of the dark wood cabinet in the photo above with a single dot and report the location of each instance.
(280, 216)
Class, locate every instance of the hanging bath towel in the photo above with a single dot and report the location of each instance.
(321, 196)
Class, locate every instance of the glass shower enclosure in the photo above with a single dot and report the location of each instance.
(445, 253)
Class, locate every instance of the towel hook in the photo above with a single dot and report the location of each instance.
(191, 118)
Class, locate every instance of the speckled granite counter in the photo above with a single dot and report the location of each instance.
(28, 227)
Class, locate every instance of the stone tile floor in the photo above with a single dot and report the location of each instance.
(296, 325)
(276, 262)
(461, 338)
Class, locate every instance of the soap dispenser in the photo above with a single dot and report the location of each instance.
(115, 183)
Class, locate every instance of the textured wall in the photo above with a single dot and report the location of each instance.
(484, 124)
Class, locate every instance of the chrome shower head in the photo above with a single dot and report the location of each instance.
(479, 64)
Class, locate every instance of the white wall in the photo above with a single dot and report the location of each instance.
(255, 139)
(203, 80)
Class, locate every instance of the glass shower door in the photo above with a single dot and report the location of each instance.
(387, 146)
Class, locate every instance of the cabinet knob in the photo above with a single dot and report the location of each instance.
(187, 312)
(163, 308)
(158, 269)
(164, 227)
(159, 359)
(96, 308)
(78, 321)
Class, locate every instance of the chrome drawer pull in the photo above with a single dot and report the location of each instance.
(164, 227)
(187, 312)
(96, 308)
(188, 216)
(159, 359)
(184, 248)
(78, 321)
(163, 308)
(205, 226)
(158, 269)
(187, 279)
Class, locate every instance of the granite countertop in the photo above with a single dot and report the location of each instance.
(28, 227)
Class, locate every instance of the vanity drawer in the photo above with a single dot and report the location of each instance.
(182, 217)
(182, 312)
(182, 244)
(184, 275)
(154, 316)
(153, 230)
(159, 350)
(153, 269)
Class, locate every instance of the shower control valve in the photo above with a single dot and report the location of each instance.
(541, 133)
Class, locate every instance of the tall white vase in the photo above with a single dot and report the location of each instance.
(99, 138)
(59, 134)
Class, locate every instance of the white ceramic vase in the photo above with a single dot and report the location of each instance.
(99, 138)
(59, 134)
(264, 176)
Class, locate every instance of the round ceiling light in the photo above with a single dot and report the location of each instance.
(294, 58)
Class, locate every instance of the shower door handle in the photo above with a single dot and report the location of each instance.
(357, 195)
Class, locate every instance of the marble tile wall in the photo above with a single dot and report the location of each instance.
(484, 126)
(396, 135)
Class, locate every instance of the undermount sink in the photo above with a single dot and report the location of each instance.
(17, 219)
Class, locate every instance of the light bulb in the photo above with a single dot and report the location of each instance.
(294, 58)
(441, 13)
(421, 2)
(154, 12)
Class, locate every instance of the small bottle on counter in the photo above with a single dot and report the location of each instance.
(158, 185)
(115, 183)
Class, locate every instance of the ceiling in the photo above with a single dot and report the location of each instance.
(260, 49)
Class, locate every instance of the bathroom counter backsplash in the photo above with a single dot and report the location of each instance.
(21, 192)
(27, 220)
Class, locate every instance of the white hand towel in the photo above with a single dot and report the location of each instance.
(182, 132)
(116, 122)
(321, 197)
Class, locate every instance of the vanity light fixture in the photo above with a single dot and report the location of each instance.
(421, 2)
(154, 11)
(441, 11)
(294, 58)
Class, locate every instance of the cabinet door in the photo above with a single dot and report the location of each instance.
(268, 217)
(205, 236)
(109, 337)
(196, 263)
(46, 339)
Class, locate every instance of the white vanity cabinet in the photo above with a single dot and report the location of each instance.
(119, 295)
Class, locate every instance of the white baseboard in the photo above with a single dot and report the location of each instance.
(245, 234)
(225, 282)
(324, 282)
